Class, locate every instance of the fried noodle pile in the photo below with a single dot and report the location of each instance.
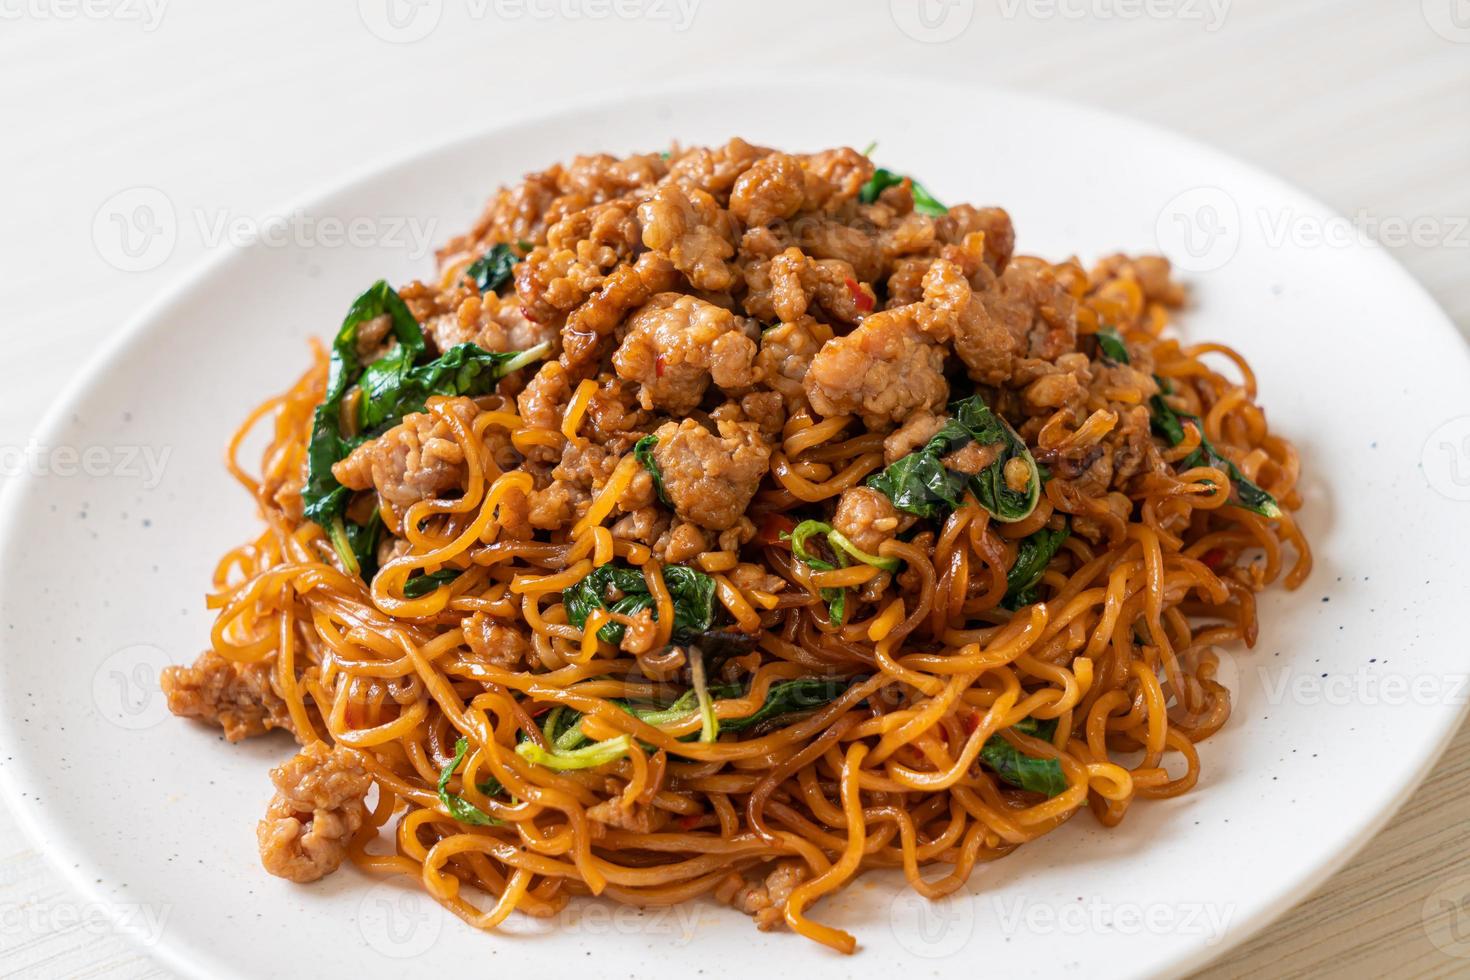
(728, 522)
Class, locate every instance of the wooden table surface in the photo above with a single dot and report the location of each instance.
(230, 109)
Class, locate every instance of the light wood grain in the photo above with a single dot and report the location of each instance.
(234, 108)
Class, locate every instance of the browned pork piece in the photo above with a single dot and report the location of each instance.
(239, 698)
(318, 806)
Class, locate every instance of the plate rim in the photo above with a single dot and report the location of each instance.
(135, 328)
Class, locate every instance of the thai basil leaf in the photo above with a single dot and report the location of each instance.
(1042, 728)
(322, 495)
(989, 485)
(783, 698)
(457, 806)
(1017, 768)
(692, 591)
(422, 584)
(591, 593)
(492, 270)
(1166, 422)
(836, 605)
(1032, 556)
(1252, 497)
(1110, 342)
(882, 179)
(463, 370)
(924, 202)
(362, 540)
(921, 484)
(643, 453)
(392, 386)
(1170, 424)
(719, 645)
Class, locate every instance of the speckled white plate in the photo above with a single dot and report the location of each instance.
(1355, 687)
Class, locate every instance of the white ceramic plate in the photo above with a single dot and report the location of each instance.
(1353, 690)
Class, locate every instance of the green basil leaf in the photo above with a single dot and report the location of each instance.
(393, 386)
(362, 540)
(1032, 556)
(882, 179)
(322, 496)
(463, 370)
(422, 584)
(1165, 421)
(457, 806)
(643, 453)
(692, 591)
(836, 605)
(1110, 342)
(493, 270)
(801, 695)
(1017, 768)
(921, 484)
(1042, 728)
(1170, 425)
